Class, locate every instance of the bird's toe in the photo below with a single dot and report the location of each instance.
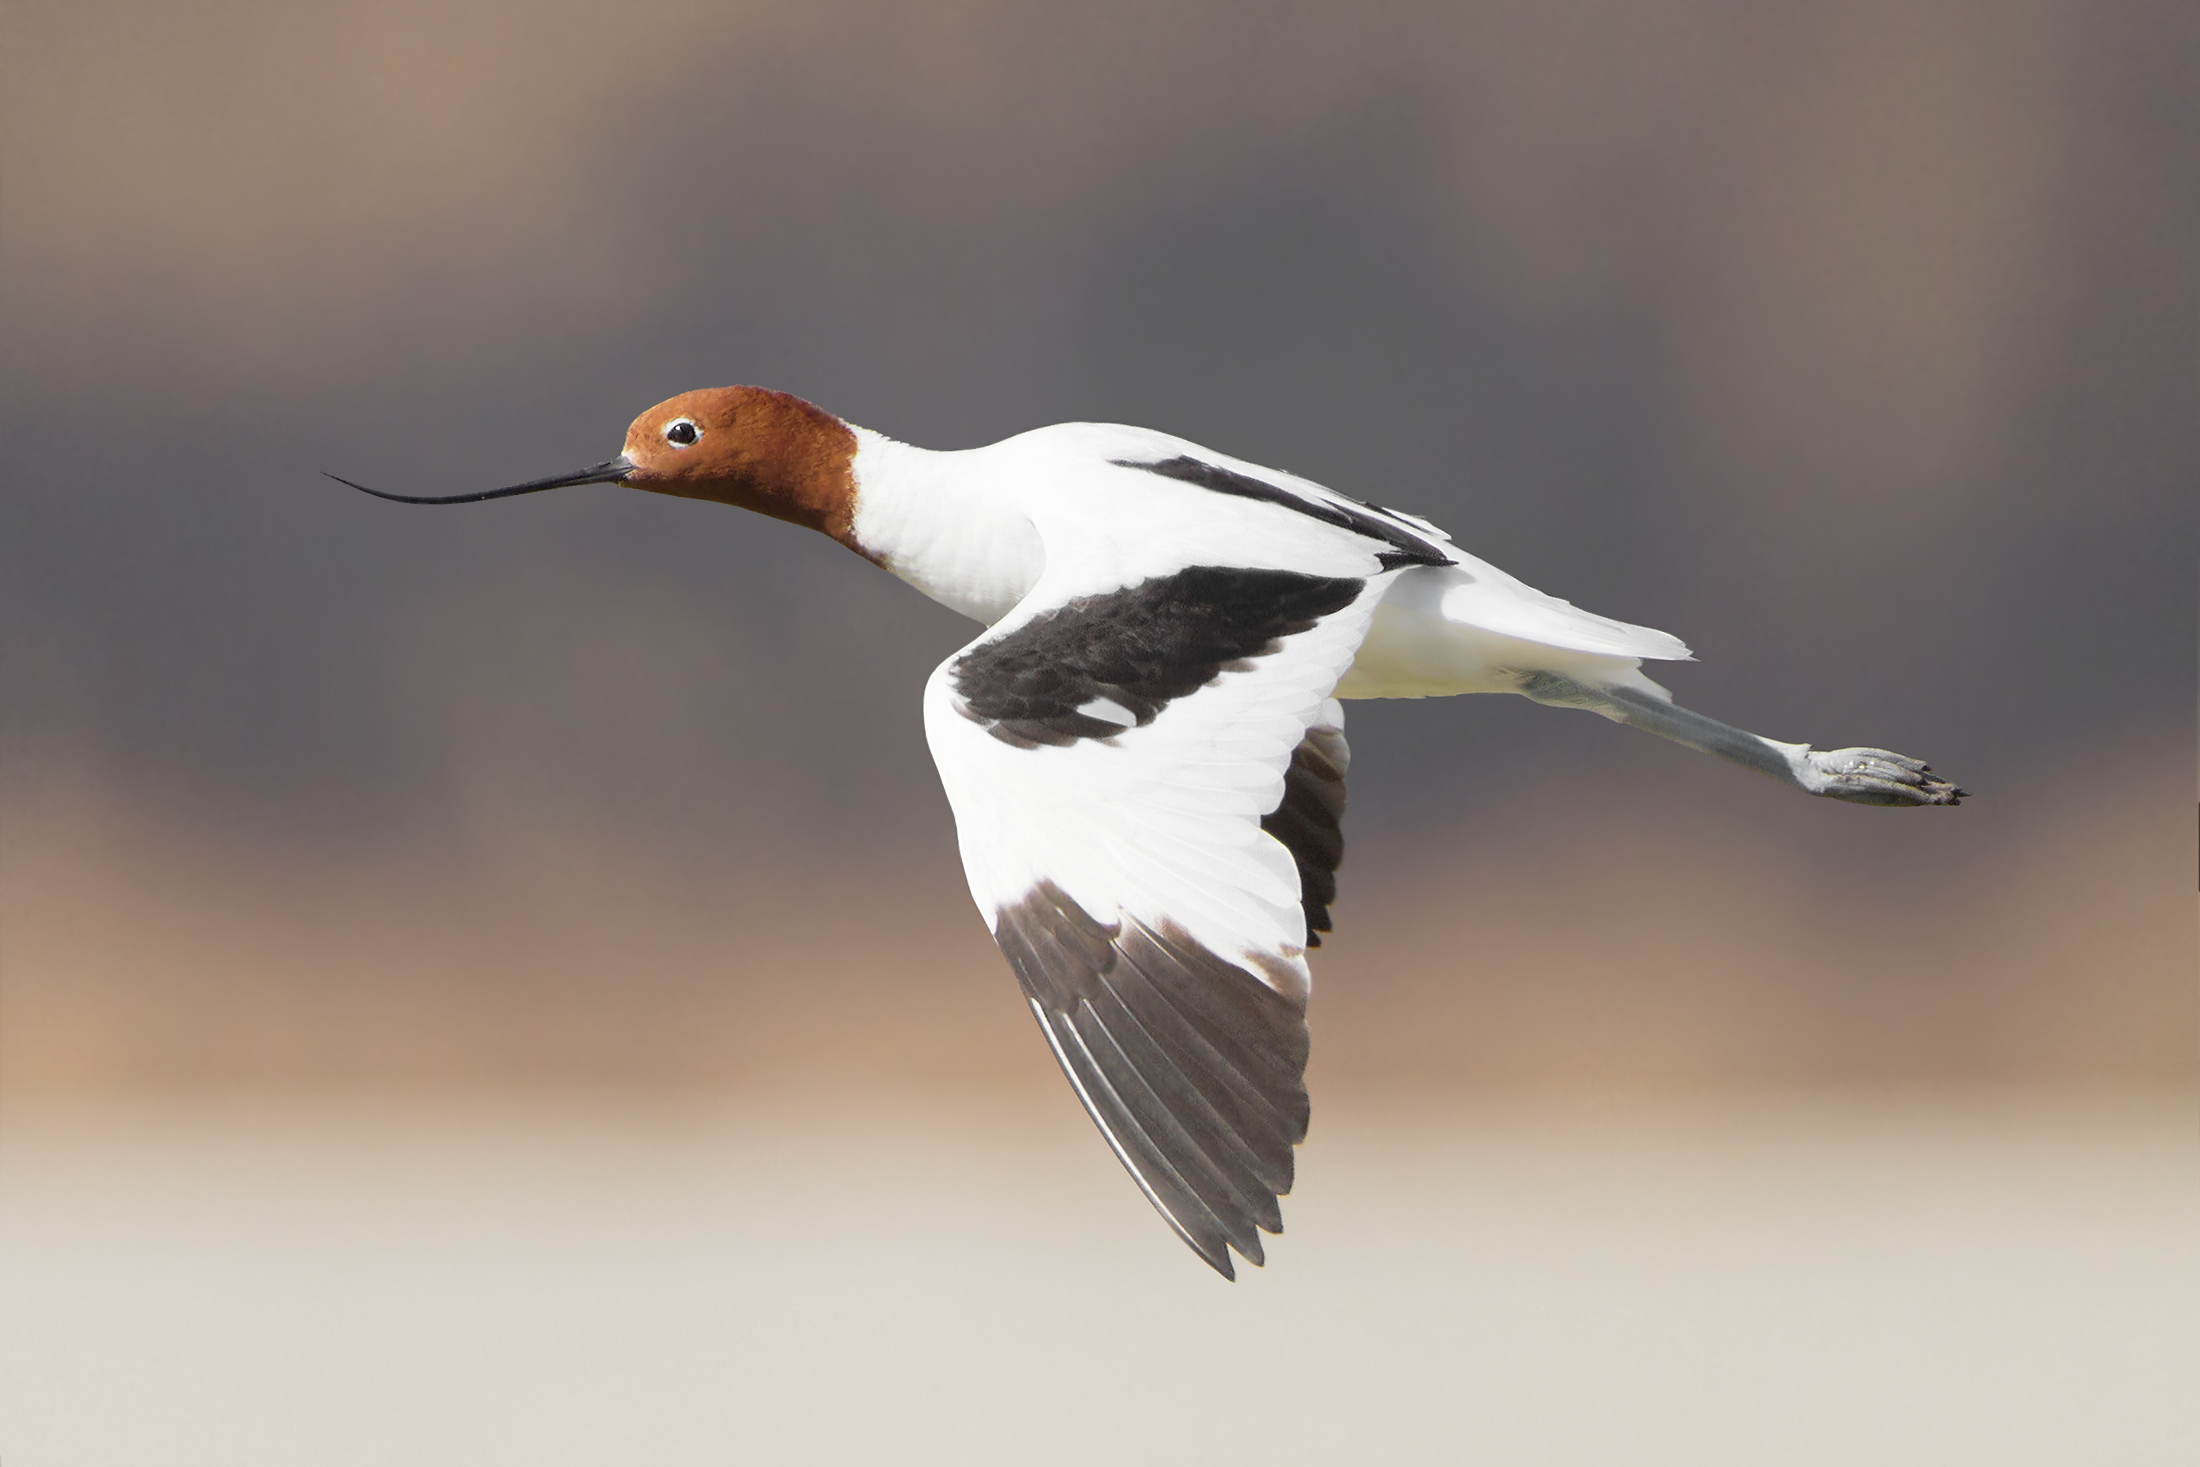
(1881, 777)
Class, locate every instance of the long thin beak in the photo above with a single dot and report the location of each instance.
(610, 471)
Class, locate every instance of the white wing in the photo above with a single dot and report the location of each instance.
(1473, 593)
(1442, 585)
(1146, 786)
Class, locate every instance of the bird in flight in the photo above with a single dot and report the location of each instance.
(1145, 748)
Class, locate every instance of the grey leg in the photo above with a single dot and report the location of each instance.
(1861, 776)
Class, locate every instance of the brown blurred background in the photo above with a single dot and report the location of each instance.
(495, 983)
(1853, 344)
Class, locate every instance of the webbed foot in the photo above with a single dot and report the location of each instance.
(1875, 777)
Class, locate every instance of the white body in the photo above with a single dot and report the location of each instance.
(975, 529)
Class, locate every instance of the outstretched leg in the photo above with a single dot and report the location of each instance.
(1861, 776)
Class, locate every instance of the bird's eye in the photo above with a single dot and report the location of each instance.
(682, 432)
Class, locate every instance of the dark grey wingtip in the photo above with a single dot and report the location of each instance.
(1192, 1068)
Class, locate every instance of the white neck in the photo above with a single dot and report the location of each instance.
(936, 521)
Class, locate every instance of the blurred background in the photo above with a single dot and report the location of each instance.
(524, 875)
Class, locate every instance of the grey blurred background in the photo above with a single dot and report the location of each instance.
(1853, 344)
(495, 983)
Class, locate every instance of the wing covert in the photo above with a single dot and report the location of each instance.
(1147, 787)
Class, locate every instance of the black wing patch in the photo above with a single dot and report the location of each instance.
(1101, 664)
(1371, 520)
(1192, 1067)
(1310, 822)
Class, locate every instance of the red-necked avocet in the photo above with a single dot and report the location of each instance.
(1145, 747)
